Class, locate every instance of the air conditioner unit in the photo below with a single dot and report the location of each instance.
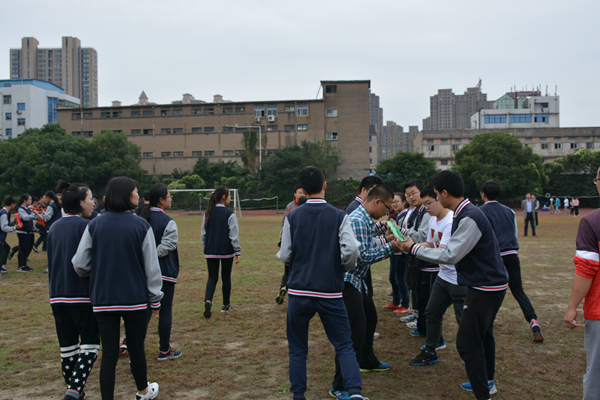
(271, 118)
(257, 119)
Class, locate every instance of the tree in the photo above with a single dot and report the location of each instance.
(213, 173)
(250, 143)
(403, 167)
(572, 175)
(503, 158)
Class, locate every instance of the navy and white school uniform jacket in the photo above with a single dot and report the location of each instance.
(472, 248)
(166, 237)
(118, 253)
(317, 240)
(222, 239)
(5, 225)
(63, 239)
(28, 219)
(52, 214)
(504, 224)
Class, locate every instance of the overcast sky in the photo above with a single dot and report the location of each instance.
(280, 50)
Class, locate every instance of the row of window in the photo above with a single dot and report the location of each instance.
(207, 153)
(514, 118)
(225, 129)
(20, 121)
(544, 146)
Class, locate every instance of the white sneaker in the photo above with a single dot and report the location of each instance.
(411, 325)
(150, 394)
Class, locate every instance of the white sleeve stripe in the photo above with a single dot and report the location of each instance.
(588, 255)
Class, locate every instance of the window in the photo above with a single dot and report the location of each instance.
(589, 145)
(209, 111)
(165, 154)
(105, 114)
(259, 112)
(177, 112)
(148, 113)
(227, 110)
(271, 128)
(20, 121)
(272, 111)
(302, 111)
(271, 152)
(455, 147)
(196, 130)
(8, 116)
(209, 153)
(290, 127)
(558, 145)
(135, 114)
(165, 113)
(228, 129)
(7, 99)
(330, 88)
(75, 115)
(148, 154)
(443, 162)
(196, 111)
(289, 108)
(116, 114)
(117, 131)
(240, 110)
(177, 130)
(331, 136)
(209, 129)
(332, 113)
(519, 118)
(528, 140)
(74, 133)
(574, 145)
(228, 153)
(8, 132)
(430, 148)
(165, 131)
(541, 117)
(136, 132)
(240, 152)
(196, 154)
(444, 141)
(21, 106)
(303, 127)
(88, 133)
(544, 146)
(429, 141)
(88, 115)
(494, 119)
(148, 131)
(178, 154)
(240, 129)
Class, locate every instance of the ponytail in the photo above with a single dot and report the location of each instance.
(61, 186)
(156, 192)
(52, 195)
(23, 199)
(216, 197)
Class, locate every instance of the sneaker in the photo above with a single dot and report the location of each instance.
(226, 308)
(411, 325)
(415, 333)
(391, 306)
(376, 335)
(11, 253)
(2, 269)
(281, 295)
(467, 386)
(46, 271)
(380, 368)
(408, 318)
(338, 394)
(401, 311)
(169, 354)
(150, 394)
(82, 395)
(207, 307)
(391, 294)
(35, 248)
(440, 346)
(358, 397)
(424, 358)
(122, 348)
(536, 329)
(24, 268)
(44, 251)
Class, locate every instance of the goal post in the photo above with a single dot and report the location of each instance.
(235, 198)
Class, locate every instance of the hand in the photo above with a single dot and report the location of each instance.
(405, 246)
(571, 319)
(389, 236)
(237, 259)
(155, 311)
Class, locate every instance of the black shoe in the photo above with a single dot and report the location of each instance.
(281, 295)
(11, 253)
(425, 358)
(534, 234)
(24, 269)
(207, 307)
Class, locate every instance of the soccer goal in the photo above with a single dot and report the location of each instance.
(201, 200)
(265, 203)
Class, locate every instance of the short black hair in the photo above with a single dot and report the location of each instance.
(72, 197)
(415, 182)
(302, 200)
(34, 199)
(118, 194)
(9, 201)
(381, 192)
(491, 189)
(428, 192)
(369, 182)
(450, 181)
(146, 196)
(311, 180)
(401, 195)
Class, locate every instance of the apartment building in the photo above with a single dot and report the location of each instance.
(175, 135)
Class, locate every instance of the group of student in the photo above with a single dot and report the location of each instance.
(449, 252)
(119, 266)
(572, 206)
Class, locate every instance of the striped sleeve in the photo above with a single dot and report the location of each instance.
(586, 257)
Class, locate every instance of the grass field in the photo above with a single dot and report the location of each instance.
(243, 354)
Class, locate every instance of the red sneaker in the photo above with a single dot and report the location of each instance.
(390, 306)
(401, 310)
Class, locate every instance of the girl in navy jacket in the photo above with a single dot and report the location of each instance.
(118, 252)
(220, 237)
(76, 326)
(166, 237)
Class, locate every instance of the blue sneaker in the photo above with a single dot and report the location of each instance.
(2, 269)
(440, 346)
(415, 333)
(467, 386)
(380, 368)
(338, 394)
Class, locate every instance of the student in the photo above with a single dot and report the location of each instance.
(557, 206)
(145, 202)
(118, 253)
(40, 225)
(312, 239)
(76, 325)
(537, 208)
(400, 294)
(474, 250)
(220, 237)
(575, 206)
(362, 313)
(504, 224)
(166, 237)
(53, 211)
(26, 232)
(6, 226)
(445, 290)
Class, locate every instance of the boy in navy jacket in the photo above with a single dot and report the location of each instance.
(474, 250)
(318, 242)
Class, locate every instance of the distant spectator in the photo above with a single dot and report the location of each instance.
(576, 206)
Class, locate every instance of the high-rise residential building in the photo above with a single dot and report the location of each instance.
(393, 140)
(450, 111)
(71, 67)
(375, 113)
